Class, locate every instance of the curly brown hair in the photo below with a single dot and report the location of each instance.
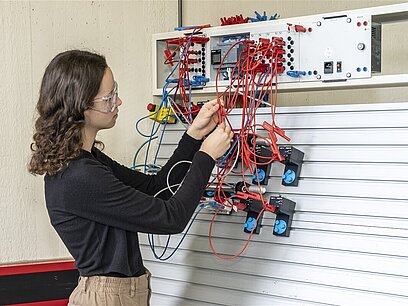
(70, 83)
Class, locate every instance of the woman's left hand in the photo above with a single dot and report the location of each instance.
(206, 120)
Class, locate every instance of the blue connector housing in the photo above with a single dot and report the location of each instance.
(295, 73)
(216, 205)
(233, 38)
(199, 80)
(196, 81)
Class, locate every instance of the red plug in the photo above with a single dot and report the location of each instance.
(251, 195)
(237, 19)
(299, 28)
(264, 41)
(169, 57)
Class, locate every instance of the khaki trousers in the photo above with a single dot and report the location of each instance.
(112, 291)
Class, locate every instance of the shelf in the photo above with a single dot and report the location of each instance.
(380, 81)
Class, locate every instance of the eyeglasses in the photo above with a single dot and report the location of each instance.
(109, 101)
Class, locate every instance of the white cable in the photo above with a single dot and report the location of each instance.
(235, 162)
(165, 188)
(171, 169)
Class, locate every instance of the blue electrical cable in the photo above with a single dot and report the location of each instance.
(165, 99)
(144, 118)
(138, 150)
(149, 165)
(160, 142)
(149, 142)
(165, 102)
(154, 132)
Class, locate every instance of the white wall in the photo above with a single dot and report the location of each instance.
(31, 34)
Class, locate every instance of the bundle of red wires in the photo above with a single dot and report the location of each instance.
(253, 78)
(188, 56)
(253, 82)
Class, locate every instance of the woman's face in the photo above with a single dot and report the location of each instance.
(104, 111)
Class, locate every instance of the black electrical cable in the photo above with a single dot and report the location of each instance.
(151, 239)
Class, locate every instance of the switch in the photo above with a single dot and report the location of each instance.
(338, 66)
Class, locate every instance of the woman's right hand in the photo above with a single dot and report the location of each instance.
(218, 142)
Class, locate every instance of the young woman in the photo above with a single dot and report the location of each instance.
(98, 206)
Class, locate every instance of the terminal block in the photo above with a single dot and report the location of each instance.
(263, 171)
(253, 210)
(208, 197)
(293, 163)
(219, 208)
(285, 209)
(162, 115)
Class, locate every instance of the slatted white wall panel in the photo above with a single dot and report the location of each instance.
(349, 238)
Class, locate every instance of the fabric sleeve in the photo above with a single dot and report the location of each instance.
(97, 194)
(151, 184)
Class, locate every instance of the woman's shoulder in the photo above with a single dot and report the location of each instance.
(85, 166)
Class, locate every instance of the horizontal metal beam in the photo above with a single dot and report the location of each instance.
(379, 81)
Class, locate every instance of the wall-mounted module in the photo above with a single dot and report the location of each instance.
(337, 48)
(225, 51)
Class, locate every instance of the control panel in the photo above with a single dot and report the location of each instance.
(315, 49)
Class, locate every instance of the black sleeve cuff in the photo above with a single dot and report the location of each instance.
(204, 159)
(193, 143)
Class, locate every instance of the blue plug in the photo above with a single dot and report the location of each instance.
(280, 227)
(250, 224)
(289, 176)
(216, 204)
(200, 78)
(263, 17)
(260, 177)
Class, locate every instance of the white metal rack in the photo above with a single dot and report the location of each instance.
(380, 14)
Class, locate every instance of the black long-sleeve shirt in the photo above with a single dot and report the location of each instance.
(98, 206)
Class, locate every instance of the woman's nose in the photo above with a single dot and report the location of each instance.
(118, 102)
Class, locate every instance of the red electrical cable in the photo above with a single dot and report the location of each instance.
(253, 77)
(242, 249)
